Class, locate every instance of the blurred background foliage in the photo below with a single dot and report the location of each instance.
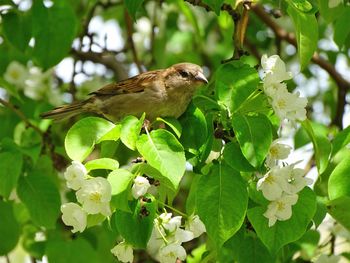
(56, 52)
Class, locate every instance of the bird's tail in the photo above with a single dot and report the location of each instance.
(65, 111)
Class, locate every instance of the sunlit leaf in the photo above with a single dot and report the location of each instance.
(254, 135)
(82, 136)
(162, 150)
(307, 36)
(221, 202)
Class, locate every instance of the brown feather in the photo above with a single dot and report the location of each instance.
(132, 85)
(163, 92)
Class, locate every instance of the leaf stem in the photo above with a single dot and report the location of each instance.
(174, 209)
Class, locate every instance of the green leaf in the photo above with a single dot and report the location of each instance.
(306, 31)
(234, 157)
(112, 135)
(321, 212)
(191, 198)
(133, 6)
(120, 181)
(12, 89)
(322, 146)
(341, 28)
(221, 201)
(339, 210)
(54, 30)
(194, 120)
(339, 180)
(9, 172)
(341, 140)
(82, 136)
(77, 250)
(215, 5)
(173, 123)
(41, 197)
(163, 151)
(102, 163)
(330, 14)
(301, 138)
(205, 103)
(144, 168)
(284, 232)
(245, 246)
(301, 5)
(9, 228)
(253, 142)
(234, 82)
(130, 130)
(17, 28)
(136, 227)
(308, 243)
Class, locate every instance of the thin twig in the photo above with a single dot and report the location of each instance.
(240, 20)
(105, 58)
(131, 44)
(153, 33)
(20, 115)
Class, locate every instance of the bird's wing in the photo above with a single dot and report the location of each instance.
(132, 85)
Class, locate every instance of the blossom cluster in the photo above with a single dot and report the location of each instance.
(34, 83)
(286, 105)
(93, 194)
(165, 242)
(281, 184)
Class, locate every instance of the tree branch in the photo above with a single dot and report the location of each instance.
(104, 58)
(21, 115)
(131, 43)
(343, 84)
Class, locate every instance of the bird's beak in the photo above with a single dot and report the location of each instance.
(200, 77)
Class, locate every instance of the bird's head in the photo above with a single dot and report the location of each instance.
(184, 75)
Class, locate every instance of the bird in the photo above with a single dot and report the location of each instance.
(158, 93)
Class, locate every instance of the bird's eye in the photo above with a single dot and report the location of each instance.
(184, 74)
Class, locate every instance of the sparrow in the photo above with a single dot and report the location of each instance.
(158, 93)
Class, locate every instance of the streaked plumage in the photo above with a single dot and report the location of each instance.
(158, 93)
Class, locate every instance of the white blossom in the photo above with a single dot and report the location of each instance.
(295, 178)
(38, 83)
(140, 186)
(289, 106)
(277, 151)
(73, 215)
(334, 3)
(170, 223)
(156, 240)
(275, 69)
(16, 74)
(167, 237)
(195, 225)
(172, 252)
(123, 252)
(75, 175)
(94, 195)
(272, 184)
(272, 88)
(181, 236)
(280, 209)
